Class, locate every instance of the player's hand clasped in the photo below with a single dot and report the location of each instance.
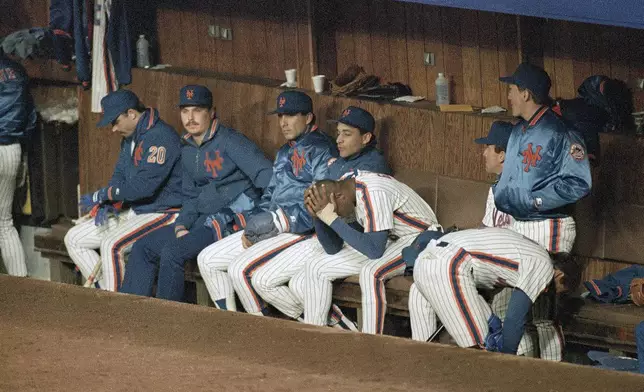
(320, 205)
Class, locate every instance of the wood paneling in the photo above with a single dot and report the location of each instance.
(23, 14)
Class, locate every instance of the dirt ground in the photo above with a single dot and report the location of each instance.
(57, 337)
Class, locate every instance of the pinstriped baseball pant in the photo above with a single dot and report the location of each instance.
(114, 239)
(13, 254)
(227, 268)
(313, 285)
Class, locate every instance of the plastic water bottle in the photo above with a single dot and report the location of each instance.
(142, 52)
(442, 90)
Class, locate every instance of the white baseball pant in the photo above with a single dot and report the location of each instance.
(13, 254)
(114, 240)
(556, 235)
(227, 267)
(313, 285)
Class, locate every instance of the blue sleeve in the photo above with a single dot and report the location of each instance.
(515, 319)
(296, 214)
(572, 182)
(371, 244)
(329, 239)
(118, 177)
(250, 160)
(158, 158)
(188, 214)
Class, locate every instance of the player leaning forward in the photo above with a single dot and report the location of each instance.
(449, 271)
(146, 179)
(281, 220)
(223, 174)
(392, 215)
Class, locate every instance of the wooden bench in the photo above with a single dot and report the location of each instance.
(587, 323)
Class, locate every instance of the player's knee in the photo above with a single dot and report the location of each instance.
(316, 270)
(237, 270)
(260, 283)
(296, 285)
(171, 255)
(202, 260)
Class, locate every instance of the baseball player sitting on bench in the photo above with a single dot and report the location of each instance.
(281, 220)
(546, 171)
(357, 148)
(392, 215)
(451, 268)
(147, 180)
(222, 171)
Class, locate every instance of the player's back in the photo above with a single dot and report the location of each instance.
(496, 241)
(411, 214)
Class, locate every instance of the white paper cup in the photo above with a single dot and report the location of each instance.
(318, 83)
(291, 77)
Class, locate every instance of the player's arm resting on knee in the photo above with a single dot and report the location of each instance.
(370, 244)
(153, 170)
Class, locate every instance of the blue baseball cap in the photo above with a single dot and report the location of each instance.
(358, 118)
(116, 103)
(195, 95)
(531, 77)
(293, 102)
(498, 135)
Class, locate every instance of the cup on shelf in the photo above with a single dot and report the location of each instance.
(318, 83)
(291, 77)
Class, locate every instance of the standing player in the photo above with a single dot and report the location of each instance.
(546, 169)
(146, 179)
(392, 215)
(222, 170)
(449, 271)
(545, 172)
(357, 147)
(17, 120)
(281, 220)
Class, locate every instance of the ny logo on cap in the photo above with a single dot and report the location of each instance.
(190, 94)
(346, 112)
(282, 102)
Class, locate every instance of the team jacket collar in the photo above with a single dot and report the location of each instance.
(536, 117)
(148, 119)
(210, 133)
(309, 129)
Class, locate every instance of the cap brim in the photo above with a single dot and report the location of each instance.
(482, 140)
(277, 111)
(105, 121)
(507, 79)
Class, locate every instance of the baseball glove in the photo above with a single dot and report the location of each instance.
(637, 291)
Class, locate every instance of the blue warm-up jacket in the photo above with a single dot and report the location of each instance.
(546, 168)
(17, 110)
(147, 176)
(225, 165)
